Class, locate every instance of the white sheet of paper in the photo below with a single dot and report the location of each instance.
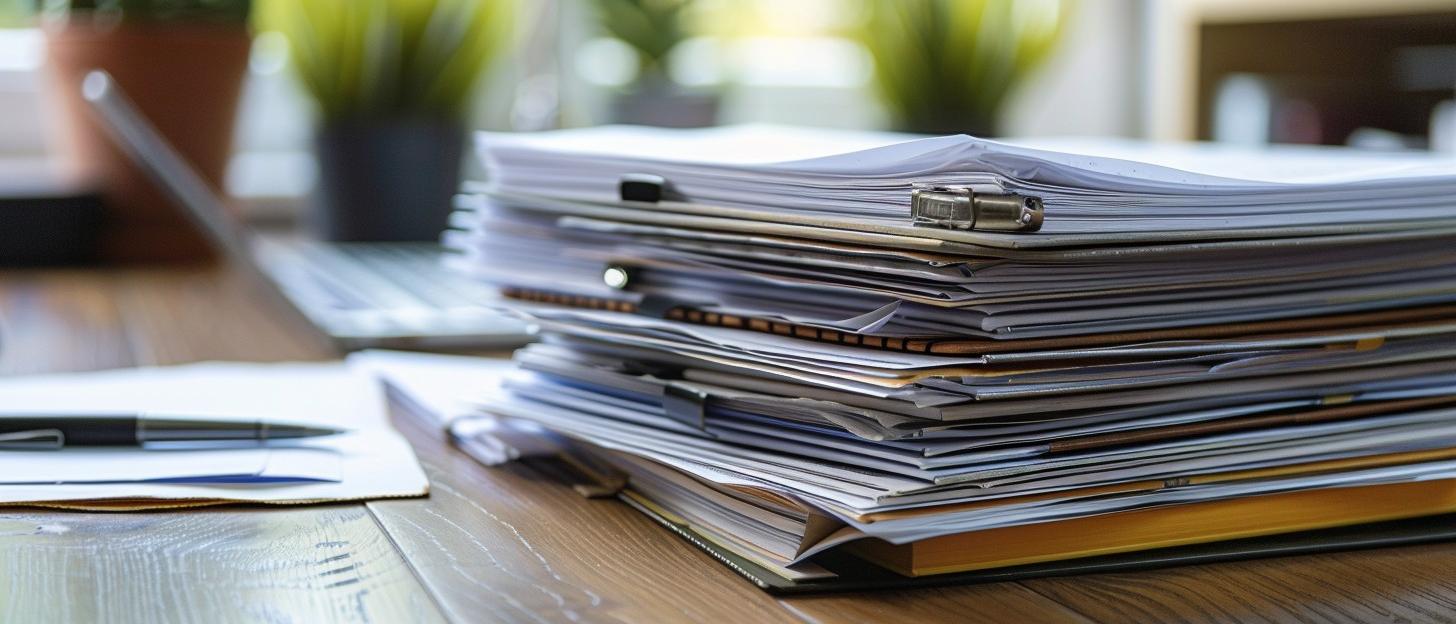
(443, 391)
(121, 464)
(1140, 188)
(440, 388)
(371, 461)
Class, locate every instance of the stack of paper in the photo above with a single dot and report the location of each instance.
(1195, 345)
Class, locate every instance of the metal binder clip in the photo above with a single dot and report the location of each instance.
(33, 440)
(961, 208)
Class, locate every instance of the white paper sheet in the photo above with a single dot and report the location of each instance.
(121, 465)
(371, 461)
(442, 390)
(1098, 188)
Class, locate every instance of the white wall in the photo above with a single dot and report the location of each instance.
(1087, 87)
(1089, 84)
(23, 122)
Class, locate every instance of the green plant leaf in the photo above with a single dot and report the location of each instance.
(390, 58)
(651, 27)
(948, 65)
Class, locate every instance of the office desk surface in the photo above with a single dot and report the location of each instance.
(502, 544)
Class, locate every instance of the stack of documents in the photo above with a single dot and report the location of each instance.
(933, 356)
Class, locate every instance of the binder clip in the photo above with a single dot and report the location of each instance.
(685, 404)
(960, 208)
(642, 187)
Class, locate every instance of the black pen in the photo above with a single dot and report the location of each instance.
(54, 431)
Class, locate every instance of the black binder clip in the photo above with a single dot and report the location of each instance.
(685, 404)
(638, 368)
(643, 187)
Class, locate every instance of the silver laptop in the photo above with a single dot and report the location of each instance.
(395, 295)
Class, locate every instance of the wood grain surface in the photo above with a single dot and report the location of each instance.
(319, 564)
(508, 544)
(60, 321)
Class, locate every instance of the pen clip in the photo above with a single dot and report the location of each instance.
(33, 440)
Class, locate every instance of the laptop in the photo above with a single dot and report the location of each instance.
(361, 295)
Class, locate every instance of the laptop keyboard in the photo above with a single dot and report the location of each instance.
(393, 276)
(384, 289)
(417, 270)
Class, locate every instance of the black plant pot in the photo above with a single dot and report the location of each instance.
(386, 180)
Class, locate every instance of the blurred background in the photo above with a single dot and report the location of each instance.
(289, 104)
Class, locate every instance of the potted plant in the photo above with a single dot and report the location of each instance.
(392, 80)
(946, 66)
(182, 63)
(653, 28)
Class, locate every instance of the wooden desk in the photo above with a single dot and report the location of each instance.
(501, 544)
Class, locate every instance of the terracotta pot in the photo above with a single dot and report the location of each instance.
(185, 78)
